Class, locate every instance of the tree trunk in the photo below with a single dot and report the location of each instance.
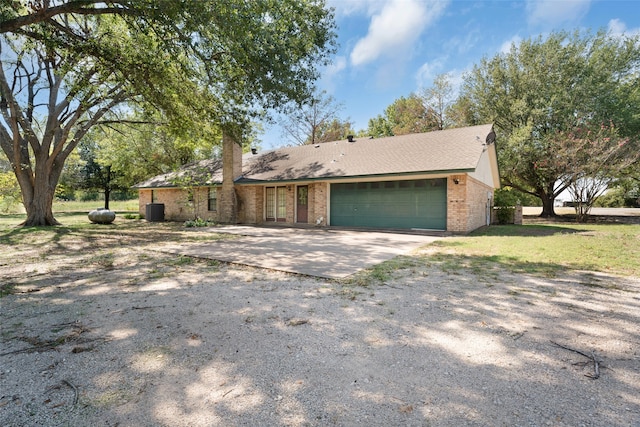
(107, 188)
(548, 210)
(40, 207)
(40, 191)
(107, 194)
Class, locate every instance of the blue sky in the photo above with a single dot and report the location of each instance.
(390, 48)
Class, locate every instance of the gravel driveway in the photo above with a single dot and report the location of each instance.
(122, 335)
(328, 253)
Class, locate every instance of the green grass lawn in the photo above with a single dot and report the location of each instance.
(72, 212)
(114, 205)
(547, 249)
(534, 249)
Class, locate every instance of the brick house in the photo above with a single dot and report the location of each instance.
(442, 180)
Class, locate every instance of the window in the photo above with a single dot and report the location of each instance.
(271, 204)
(213, 199)
(282, 203)
(276, 204)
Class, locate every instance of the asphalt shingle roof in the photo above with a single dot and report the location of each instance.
(456, 149)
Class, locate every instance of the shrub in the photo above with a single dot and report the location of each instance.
(614, 198)
(505, 214)
(89, 196)
(199, 222)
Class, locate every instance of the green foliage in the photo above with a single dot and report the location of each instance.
(505, 214)
(199, 222)
(201, 63)
(614, 198)
(89, 196)
(9, 192)
(506, 197)
(462, 113)
(524, 92)
(404, 116)
(379, 127)
(504, 203)
(432, 108)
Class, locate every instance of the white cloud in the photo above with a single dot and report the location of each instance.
(338, 65)
(617, 28)
(427, 72)
(351, 7)
(550, 13)
(506, 46)
(332, 72)
(394, 29)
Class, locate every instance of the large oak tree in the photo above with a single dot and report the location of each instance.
(67, 66)
(544, 92)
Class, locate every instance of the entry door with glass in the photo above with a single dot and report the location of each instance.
(302, 203)
(276, 204)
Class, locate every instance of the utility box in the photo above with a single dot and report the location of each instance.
(154, 212)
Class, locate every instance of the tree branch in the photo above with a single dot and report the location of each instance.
(80, 7)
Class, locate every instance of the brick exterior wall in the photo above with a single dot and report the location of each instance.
(466, 203)
(177, 206)
(318, 203)
(231, 169)
(144, 197)
(251, 203)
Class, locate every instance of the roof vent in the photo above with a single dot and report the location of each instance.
(350, 138)
(254, 151)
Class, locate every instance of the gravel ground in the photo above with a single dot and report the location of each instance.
(140, 338)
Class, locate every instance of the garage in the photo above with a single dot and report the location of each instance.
(420, 203)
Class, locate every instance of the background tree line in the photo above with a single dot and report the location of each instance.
(566, 109)
(101, 96)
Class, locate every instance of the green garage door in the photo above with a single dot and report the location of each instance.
(420, 203)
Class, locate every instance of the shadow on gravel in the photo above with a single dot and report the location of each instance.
(173, 341)
(113, 333)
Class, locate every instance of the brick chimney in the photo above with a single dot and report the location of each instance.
(231, 170)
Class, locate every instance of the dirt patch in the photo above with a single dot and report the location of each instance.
(112, 332)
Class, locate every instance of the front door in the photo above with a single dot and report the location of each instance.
(302, 197)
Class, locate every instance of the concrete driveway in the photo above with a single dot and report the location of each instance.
(325, 253)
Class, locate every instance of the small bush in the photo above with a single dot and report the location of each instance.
(65, 193)
(132, 216)
(199, 222)
(122, 195)
(89, 196)
(505, 214)
(613, 198)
